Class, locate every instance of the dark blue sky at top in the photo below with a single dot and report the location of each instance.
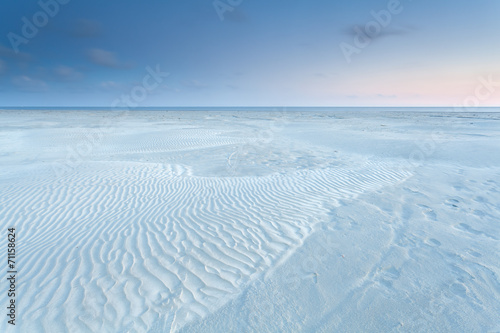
(286, 53)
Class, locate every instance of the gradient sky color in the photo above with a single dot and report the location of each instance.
(263, 53)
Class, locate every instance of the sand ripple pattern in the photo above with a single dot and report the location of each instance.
(135, 247)
(168, 141)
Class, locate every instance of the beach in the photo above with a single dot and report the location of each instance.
(261, 221)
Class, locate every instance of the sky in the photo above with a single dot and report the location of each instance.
(249, 53)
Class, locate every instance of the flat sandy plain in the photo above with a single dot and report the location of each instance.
(252, 221)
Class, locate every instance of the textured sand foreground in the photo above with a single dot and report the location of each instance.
(257, 221)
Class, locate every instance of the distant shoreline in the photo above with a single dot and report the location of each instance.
(262, 109)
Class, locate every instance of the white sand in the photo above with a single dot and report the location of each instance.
(221, 221)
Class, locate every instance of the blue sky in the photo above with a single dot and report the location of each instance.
(249, 53)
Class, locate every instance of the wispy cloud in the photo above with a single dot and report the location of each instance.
(386, 96)
(193, 84)
(27, 83)
(384, 32)
(321, 75)
(86, 29)
(105, 58)
(9, 53)
(67, 73)
(110, 85)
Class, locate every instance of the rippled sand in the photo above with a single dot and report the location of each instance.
(158, 221)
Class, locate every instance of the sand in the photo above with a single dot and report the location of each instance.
(255, 221)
